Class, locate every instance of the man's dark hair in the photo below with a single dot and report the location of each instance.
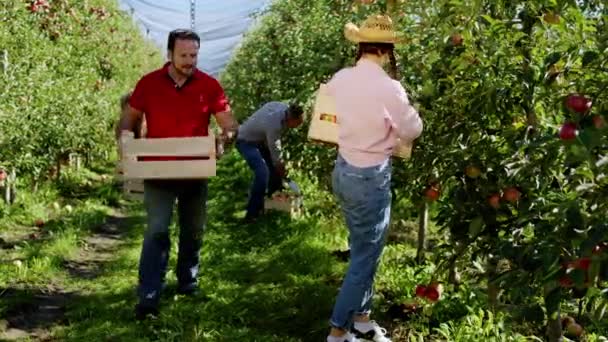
(294, 112)
(182, 34)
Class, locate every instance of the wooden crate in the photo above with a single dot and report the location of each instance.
(134, 189)
(283, 201)
(134, 168)
(324, 124)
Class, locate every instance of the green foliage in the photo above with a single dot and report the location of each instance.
(64, 68)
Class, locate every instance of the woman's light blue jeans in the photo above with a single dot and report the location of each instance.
(365, 199)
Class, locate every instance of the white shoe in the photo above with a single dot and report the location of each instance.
(348, 337)
(374, 333)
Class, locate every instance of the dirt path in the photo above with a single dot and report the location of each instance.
(33, 312)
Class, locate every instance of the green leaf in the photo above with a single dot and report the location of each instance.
(475, 226)
(552, 58)
(589, 57)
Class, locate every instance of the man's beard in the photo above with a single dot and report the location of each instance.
(186, 72)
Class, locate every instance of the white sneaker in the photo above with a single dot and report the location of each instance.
(370, 332)
(348, 337)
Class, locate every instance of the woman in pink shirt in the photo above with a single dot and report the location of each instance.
(373, 112)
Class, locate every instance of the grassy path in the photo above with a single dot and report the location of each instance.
(73, 278)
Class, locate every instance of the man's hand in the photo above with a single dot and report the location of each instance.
(129, 121)
(228, 136)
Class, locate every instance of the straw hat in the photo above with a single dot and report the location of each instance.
(375, 29)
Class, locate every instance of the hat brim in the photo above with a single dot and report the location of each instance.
(353, 34)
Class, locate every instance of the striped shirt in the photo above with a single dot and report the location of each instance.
(266, 126)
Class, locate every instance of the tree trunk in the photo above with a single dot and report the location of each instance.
(492, 288)
(10, 187)
(454, 276)
(422, 227)
(552, 304)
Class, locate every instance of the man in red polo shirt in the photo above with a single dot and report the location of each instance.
(177, 100)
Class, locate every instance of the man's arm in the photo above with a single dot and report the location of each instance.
(128, 121)
(273, 141)
(227, 123)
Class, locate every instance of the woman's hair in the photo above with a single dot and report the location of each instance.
(379, 49)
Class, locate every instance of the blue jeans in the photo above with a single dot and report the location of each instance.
(365, 198)
(265, 181)
(159, 200)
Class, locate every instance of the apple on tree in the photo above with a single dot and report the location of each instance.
(568, 131)
(421, 291)
(511, 194)
(494, 200)
(456, 39)
(434, 292)
(598, 122)
(432, 192)
(472, 171)
(578, 103)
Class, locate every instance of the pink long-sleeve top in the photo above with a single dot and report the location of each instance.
(373, 112)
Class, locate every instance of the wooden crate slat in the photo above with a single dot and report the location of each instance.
(195, 147)
(174, 147)
(169, 169)
(134, 185)
(137, 196)
(320, 128)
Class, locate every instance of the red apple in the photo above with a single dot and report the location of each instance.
(39, 223)
(568, 131)
(494, 201)
(456, 39)
(432, 193)
(434, 291)
(578, 103)
(566, 321)
(574, 330)
(511, 194)
(598, 122)
(3, 175)
(582, 263)
(420, 291)
(565, 282)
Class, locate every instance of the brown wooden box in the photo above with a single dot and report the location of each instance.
(286, 202)
(134, 168)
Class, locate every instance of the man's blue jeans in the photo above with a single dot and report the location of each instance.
(265, 181)
(365, 198)
(159, 200)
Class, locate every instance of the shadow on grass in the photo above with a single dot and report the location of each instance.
(270, 281)
(262, 282)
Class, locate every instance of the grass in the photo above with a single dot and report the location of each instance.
(272, 281)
